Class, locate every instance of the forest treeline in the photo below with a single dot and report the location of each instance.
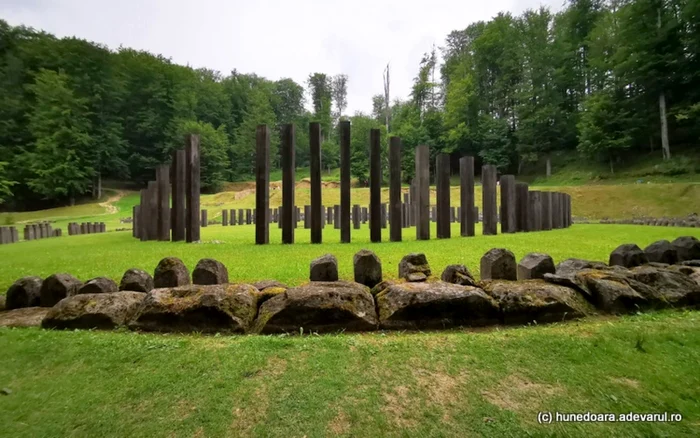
(599, 78)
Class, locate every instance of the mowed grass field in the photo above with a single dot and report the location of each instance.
(457, 383)
(451, 384)
(110, 254)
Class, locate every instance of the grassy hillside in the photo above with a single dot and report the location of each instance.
(452, 384)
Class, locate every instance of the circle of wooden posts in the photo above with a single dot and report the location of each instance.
(519, 209)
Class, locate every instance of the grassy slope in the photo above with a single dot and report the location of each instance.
(455, 383)
(110, 254)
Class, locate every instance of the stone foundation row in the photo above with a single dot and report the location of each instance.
(167, 302)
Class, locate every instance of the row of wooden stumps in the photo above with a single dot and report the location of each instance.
(75, 228)
(41, 230)
(358, 215)
(520, 208)
(153, 218)
(8, 235)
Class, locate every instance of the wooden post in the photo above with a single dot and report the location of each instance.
(288, 183)
(163, 182)
(521, 209)
(135, 211)
(422, 192)
(508, 219)
(466, 176)
(395, 189)
(315, 162)
(489, 199)
(152, 220)
(344, 181)
(375, 186)
(192, 186)
(442, 183)
(179, 184)
(262, 182)
(546, 198)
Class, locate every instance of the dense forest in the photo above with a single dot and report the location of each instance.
(599, 78)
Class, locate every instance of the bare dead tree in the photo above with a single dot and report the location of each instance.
(386, 97)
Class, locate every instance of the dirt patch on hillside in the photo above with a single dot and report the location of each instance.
(111, 209)
(306, 184)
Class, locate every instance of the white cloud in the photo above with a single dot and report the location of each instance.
(273, 38)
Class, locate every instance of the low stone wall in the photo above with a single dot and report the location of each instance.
(534, 290)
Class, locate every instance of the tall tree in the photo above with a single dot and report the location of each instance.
(60, 124)
(339, 90)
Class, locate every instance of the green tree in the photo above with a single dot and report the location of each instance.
(59, 123)
(359, 145)
(258, 112)
(604, 126)
(214, 153)
(5, 184)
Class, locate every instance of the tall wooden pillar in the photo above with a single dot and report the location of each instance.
(262, 182)
(344, 181)
(489, 200)
(375, 186)
(163, 181)
(466, 196)
(508, 219)
(315, 162)
(422, 192)
(288, 183)
(192, 188)
(442, 183)
(179, 182)
(395, 189)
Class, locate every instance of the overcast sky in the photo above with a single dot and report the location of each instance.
(273, 38)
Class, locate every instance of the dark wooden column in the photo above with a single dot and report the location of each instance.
(489, 199)
(288, 183)
(344, 181)
(534, 212)
(153, 210)
(521, 209)
(163, 181)
(466, 196)
(179, 182)
(262, 182)
(546, 198)
(442, 183)
(143, 216)
(556, 210)
(422, 191)
(192, 186)
(375, 186)
(136, 211)
(508, 219)
(315, 161)
(395, 189)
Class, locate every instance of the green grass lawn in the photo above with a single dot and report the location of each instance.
(454, 383)
(110, 254)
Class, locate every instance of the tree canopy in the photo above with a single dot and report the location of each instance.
(599, 79)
